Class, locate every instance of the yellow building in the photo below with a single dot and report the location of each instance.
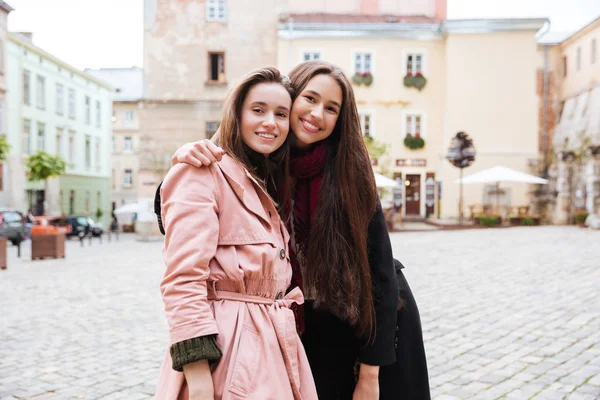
(480, 78)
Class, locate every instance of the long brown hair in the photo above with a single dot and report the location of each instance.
(336, 262)
(272, 171)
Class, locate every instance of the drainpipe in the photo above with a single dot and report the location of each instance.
(545, 114)
(545, 81)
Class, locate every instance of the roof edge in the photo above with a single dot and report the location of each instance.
(22, 41)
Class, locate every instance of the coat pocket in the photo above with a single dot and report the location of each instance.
(246, 362)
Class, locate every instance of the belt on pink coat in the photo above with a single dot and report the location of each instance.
(283, 321)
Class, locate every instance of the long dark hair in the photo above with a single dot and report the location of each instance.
(272, 171)
(336, 265)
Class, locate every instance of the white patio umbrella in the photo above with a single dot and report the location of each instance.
(130, 208)
(384, 182)
(499, 174)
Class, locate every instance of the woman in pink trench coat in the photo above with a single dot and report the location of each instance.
(227, 256)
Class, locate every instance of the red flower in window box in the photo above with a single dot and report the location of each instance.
(409, 73)
(417, 134)
(419, 74)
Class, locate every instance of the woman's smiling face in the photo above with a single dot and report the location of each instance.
(315, 111)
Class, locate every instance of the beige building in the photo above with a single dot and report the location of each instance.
(471, 85)
(127, 106)
(194, 53)
(5, 9)
(574, 145)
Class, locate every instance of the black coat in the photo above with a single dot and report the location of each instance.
(334, 351)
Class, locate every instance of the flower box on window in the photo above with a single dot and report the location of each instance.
(414, 142)
(418, 81)
(363, 78)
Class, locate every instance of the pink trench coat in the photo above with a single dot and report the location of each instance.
(228, 268)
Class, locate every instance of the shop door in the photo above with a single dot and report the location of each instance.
(413, 194)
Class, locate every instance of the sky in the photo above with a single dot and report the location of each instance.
(109, 33)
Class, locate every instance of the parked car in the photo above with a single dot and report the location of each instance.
(95, 227)
(79, 225)
(12, 225)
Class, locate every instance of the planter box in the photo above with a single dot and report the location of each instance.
(48, 245)
(3, 242)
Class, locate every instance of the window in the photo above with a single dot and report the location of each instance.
(41, 137)
(311, 55)
(216, 64)
(114, 116)
(578, 59)
(98, 165)
(593, 52)
(414, 64)
(88, 151)
(88, 110)
(41, 93)
(26, 87)
(114, 143)
(81, 220)
(128, 178)
(211, 128)
(129, 116)
(60, 99)
(59, 141)
(365, 124)
(362, 62)
(72, 103)
(26, 135)
(413, 125)
(565, 64)
(215, 10)
(72, 147)
(98, 114)
(127, 144)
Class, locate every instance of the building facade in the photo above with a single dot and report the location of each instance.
(431, 78)
(470, 85)
(194, 53)
(54, 107)
(574, 144)
(5, 9)
(127, 105)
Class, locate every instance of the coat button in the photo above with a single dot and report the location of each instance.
(282, 254)
(397, 328)
(279, 296)
(396, 346)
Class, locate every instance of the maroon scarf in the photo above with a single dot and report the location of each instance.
(307, 168)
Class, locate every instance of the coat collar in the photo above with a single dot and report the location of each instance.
(244, 185)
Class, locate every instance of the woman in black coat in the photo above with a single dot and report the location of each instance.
(333, 349)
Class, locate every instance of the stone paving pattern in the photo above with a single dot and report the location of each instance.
(507, 313)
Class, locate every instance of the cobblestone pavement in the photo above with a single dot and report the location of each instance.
(507, 313)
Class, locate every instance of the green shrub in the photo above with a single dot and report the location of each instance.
(580, 217)
(488, 220)
(527, 221)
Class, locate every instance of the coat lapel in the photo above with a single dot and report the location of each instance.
(241, 182)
